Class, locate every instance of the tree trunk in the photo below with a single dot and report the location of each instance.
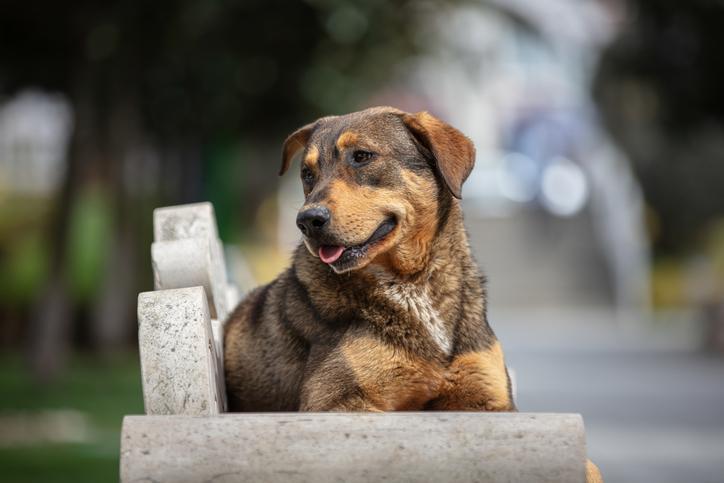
(113, 321)
(50, 328)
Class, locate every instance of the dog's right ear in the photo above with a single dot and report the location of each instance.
(294, 143)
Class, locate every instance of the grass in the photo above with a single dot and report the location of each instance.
(104, 391)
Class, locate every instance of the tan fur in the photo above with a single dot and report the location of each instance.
(393, 380)
(346, 139)
(593, 474)
(410, 254)
(312, 157)
(473, 375)
(358, 209)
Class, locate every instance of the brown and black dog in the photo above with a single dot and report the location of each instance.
(383, 308)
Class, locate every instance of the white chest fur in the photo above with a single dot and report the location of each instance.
(417, 302)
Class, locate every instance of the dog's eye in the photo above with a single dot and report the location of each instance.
(362, 157)
(307, 176)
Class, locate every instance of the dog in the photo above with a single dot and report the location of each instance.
(383, 307)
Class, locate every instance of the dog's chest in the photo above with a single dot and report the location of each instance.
(417, 302)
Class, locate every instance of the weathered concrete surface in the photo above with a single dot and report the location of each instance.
(192, 262)
(187, 252)
(217, 334)
(196, 220)
(179, 364)
(354, 447)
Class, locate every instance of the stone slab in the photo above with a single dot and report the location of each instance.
(355, 447)
(192, 262)
(179, 363)
(217, 333)
(196, 220)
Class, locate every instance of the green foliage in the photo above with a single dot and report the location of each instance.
(223, 170)
(23, 269)
(71, 463)
(90, 231)
(23, 256)
(103, 391)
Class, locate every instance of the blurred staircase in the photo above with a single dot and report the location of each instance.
(535, 260)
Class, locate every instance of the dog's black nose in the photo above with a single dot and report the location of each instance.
(312, 220)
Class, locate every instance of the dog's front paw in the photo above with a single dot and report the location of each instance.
(464, 401)
(476, 381)
(593, 475)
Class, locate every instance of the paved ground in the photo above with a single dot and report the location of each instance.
(653, 403)
(653, 407)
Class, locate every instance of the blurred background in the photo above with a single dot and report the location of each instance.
(596, 206)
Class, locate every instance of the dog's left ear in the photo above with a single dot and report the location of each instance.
(294, 143)
(454, 153)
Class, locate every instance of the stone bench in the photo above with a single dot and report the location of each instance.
(185, 435)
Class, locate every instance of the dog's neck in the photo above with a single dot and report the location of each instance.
(446, 284)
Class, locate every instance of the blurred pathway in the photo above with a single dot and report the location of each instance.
(652, 403)
(653, 406)
(536, 260)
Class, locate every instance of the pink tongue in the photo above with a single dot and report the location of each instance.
(330, 254)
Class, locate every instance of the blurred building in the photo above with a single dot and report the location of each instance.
(35, 129)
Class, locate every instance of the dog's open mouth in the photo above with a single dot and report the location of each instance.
(341, 257)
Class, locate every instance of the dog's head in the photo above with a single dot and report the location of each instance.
(374, 184)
